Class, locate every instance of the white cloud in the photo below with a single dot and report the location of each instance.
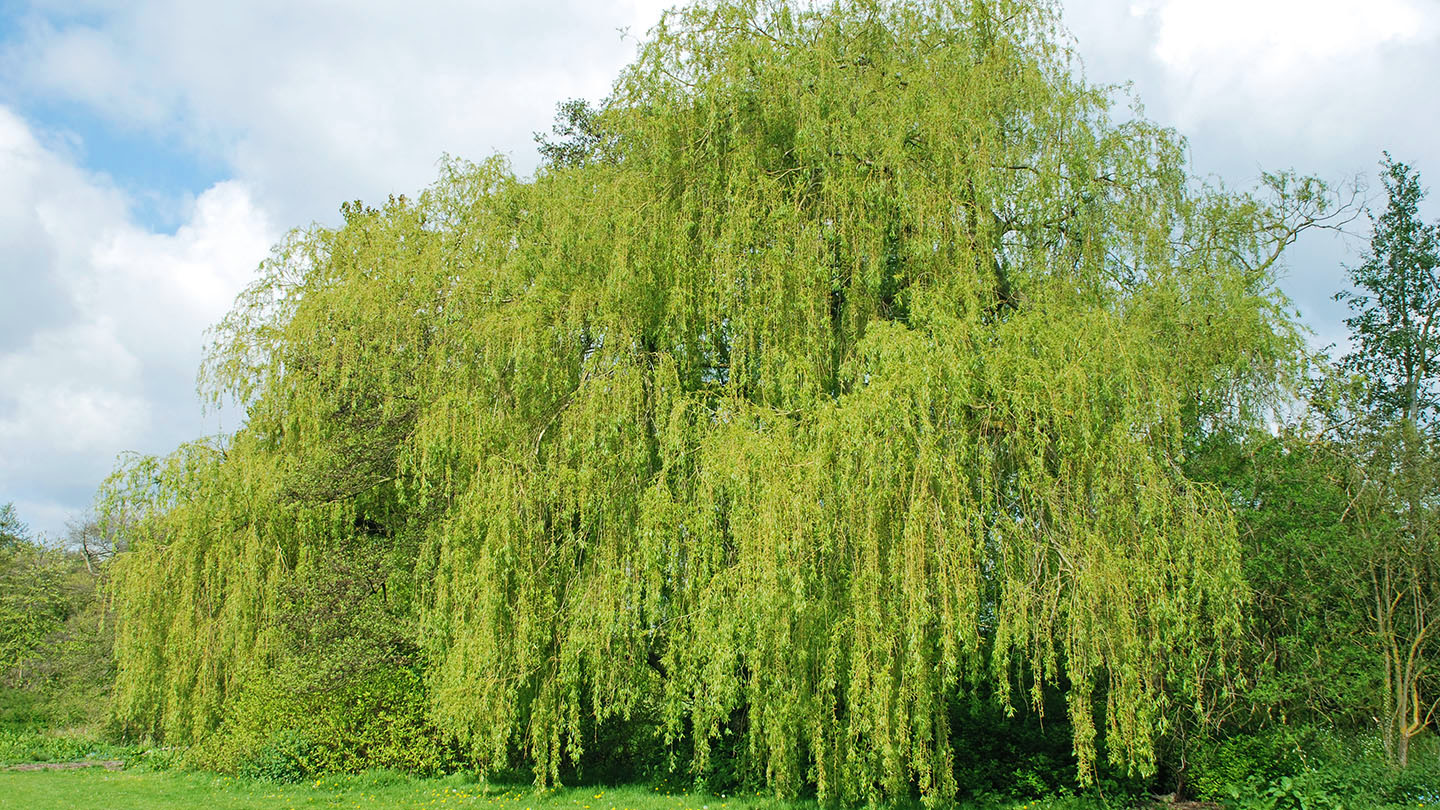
(166, 286)
(69, 395)
(1321, 73)
(312, 103)
(83, 64)
(107, 364)
(1282, 39)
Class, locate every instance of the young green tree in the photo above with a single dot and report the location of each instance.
(1309, 657)
(858, 374)
(1396, 300)
(55, 651)
(1396, 481)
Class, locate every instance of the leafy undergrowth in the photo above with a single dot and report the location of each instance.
(1308, 768)
(173, 790)
(19, 745)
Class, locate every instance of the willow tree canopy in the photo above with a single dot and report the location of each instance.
(848, 366)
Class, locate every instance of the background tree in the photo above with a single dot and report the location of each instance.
(579, 136)
(1395, 486)
(1309, 656)
(1396, 302)
(32, 598)
(56, 667)
(13, 531)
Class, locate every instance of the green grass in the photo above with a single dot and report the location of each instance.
(172, 790)
(162, 790)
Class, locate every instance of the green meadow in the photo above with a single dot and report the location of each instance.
(167, 790)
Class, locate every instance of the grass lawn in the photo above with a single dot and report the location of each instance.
(172, 790)
(162, 790)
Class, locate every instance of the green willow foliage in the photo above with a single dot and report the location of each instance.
(851, 371)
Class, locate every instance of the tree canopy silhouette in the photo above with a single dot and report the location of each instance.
(852, 371)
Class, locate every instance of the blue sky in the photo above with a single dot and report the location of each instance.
(157, 171)
(153, 150)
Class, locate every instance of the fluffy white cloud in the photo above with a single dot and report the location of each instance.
(1282, 40)
(70, 395)
(103, 320)
(311, 103)
(1294, 80)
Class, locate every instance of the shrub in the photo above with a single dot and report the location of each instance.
(1247, 759)
(35, 745)
(282, 735)
(285, 757)
(1315, 769)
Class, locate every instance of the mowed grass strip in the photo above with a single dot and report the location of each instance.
(164, 790)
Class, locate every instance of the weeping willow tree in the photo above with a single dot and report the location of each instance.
(845, 366)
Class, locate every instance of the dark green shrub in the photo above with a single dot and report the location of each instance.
(377, 723)
(1316, 769)
(1303, 792)
(1247, 759)
(1417, 784)
(622, 750)
(999, 757)
(21, 708)
(285, 757)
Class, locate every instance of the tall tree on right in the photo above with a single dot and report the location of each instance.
(1394, 494)
(1395, 304)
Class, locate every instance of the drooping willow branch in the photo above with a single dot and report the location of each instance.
(734, 421)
